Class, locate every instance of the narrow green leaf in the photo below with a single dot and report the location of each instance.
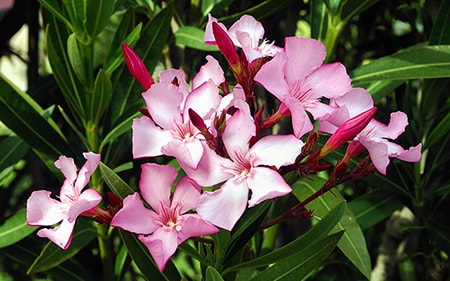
(122, 262)
(192, 37)
(114, 182)
(120, 129)
(319, 19)
(318, 231)
(373, 207)
(333, 6)
(19, 113)
(55, 9)
(307, 259)
(101, 97)
(353, 243)
(12, 150)
(382, 88)
(212, 274)
(15, 229)
(351, 8)
(441, 130)
(73, 52)
(98, 13)
(441, 27)
(412, 63)
(52, 255)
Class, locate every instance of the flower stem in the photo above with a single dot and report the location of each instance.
(106, 255)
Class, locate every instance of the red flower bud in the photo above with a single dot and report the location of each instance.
(136, 67)
(225, 45)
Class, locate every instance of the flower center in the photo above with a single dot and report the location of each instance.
(184, 131)
(241, 166)
(170, 216)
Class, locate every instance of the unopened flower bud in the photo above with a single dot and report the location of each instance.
(136, 67)
(226, 45)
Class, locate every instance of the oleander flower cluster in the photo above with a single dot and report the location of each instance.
(225, 142)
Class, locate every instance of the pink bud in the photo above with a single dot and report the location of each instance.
(136, 67)
(225, 45)
(348, 131)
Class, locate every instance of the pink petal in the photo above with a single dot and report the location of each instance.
(338, 82)
(161, 245)
(188, 152)
(187, 194)
(240, 128)
(84, 174)
(209, 71)
(301, 124)
(193, 226)
(276, 150)
(271, 76)
(224, 207)
(163, 103)
(413, 154)
(168, 76)
(208, 172)
(318, 109)
(44, 210)
(247, 26)
(148, 139)
(378, 152)
(303, 56)
(156, 183)
(67, 167)
(203, 100)
(87, 200)
(135, 217)
(265, 184)
(396, 126)
(356, 101)
(61, 235)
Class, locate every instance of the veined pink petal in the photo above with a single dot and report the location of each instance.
(356, 101)
(186, 193)
(203, 100)
(84, 174)
(156, 183)
(301, 124)
(44, 210)
(271, 76)
(248, 25)
(208, 172)
(318, 109)
(135, 217)
(209, 71)
(67, 166)
(396, 126)
(276, 150)
(303, 56)
(378, 152)
(168, 76)
(194, 226)
(88, 199)
(265, 183)
(148, 139)
(239, 130)
(163, 103)
(413, 154)
(188, 151)
(61, 235)
(224, 207)
(338, 84)
(162, 244)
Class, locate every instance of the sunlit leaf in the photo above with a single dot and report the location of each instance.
(192, 37)
(15, 228)
(212, 274)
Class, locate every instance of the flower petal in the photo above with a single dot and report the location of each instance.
(276, 150)
(135, 217)
(271, 76)
(193, 226)
(88, 199)
(162, 244)
(156, 183)
(84, 174)
(163, 103)
(209, 71)
(265, 184)
(239, 130)
(44, 210)
(378, 152)
(338, 84)
(224, 207)
(61, 235)
(188, 152)
(148, 139)
(67, 167)
(396, 126)
(203, 100)
(301, 124)
(186, 193)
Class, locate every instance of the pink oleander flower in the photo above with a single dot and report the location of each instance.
(249, 170)
(299, 80)
(136, 67)
(246, 33)
(168, 129)
(43, 210)
(376, 136)
(169, 224)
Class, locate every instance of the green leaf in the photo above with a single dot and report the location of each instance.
(141, 256)
(382, 88)
(333, 6)
(441, 130)
(98, 13)
(55, 9)
(114, 182)
(101, 97)
(317, 232)
(319, 19)
(298, 266)
(122, 262)
(212, 274)
(353, 243)
(52, 255)
(120, 129)
(192, 37)
(21, 114)
(12, 150)
(15, 229)
(373, 207)
(73, 52)
(149, 47)
(441, 27)
(351, 8)
(412, 63)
